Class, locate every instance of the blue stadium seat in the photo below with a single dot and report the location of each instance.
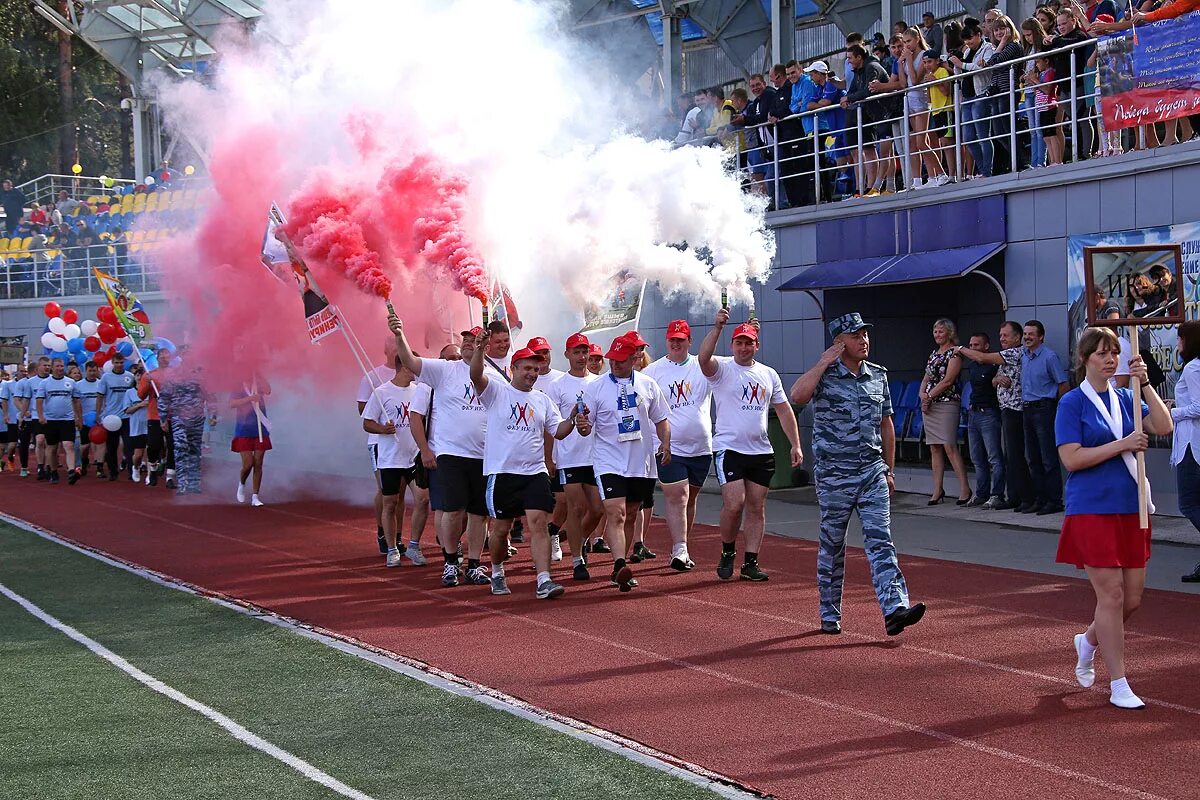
(896, 390)
(966, 405)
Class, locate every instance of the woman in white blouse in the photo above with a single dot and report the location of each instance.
(1186, 414)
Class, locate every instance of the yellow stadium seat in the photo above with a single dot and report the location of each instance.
(115, 208)
(3, 244)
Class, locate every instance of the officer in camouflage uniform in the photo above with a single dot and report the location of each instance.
(854, 442)
(183, 401)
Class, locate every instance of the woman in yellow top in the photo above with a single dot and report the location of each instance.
(941, 110)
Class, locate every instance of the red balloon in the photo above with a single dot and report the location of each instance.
(97, 434)
(91, 344)
(100, 359)
(70, 316)
(52, 309)
(108, 332)
(105, 314)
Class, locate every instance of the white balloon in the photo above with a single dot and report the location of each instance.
(72, 331)
(48, 340)
(108, 367)
(149, 180)
(56, 325)
(88, 327)
(58, 345)
(112, 422)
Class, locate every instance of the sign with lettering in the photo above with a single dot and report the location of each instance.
(1150, 74)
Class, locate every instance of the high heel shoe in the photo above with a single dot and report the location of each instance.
(962, 502)
(937, 500)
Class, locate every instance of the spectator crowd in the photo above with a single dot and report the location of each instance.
(896, 99)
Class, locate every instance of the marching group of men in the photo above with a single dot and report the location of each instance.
(53, 410)
(498, 445)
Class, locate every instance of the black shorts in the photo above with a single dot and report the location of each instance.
(14, 433)
(390, 478)
(420, 474)
(734, 466)
(35, 429)
(458, 485)
(139, 442)
(634, 490)
(585, 475)
(1048, 122)
(58, 431)
(939, 122)
(510, 496)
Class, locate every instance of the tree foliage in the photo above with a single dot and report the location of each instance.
(31, 122)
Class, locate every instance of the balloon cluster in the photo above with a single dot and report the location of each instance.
(79, 341)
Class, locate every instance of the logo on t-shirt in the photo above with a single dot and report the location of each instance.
(754, 394)
(401, 418)
(521, 416)
(681, 393)
(471, 397)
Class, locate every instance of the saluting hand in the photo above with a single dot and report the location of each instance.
(830, 356)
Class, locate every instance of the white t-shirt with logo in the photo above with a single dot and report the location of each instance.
(575, 450)
(550, 377)
(610, 455)
(392, 403)
(689, 398)
(742, 396)
(516, 426)
(458, 420)
(369, 383)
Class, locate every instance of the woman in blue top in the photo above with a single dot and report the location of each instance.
(251, 434)
(1096, 443)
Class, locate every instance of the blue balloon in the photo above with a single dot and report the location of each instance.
(162, 343)
(89, 418)
(76, 345)
(151, 362)
(125, 349)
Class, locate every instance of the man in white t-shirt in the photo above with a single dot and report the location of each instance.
(546, 376)
(689, 399)
(573, 457)
(624, 405)
(368, 384)
(743, 391)
(496, 355)
(456, 435)
(518, 421)
(389, 416)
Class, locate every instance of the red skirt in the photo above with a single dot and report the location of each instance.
(250, 444)
(1103, 540)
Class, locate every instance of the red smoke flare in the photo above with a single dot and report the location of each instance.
(325, 227)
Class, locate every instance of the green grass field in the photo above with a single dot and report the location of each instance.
(75, 726)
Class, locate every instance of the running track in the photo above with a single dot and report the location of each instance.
(979, 700)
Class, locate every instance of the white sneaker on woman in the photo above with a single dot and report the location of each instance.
(1085, 669)
(241, 493)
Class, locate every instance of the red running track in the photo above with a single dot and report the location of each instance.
(979, 700)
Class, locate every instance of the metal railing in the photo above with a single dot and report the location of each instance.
(45, 189)
(38, 276)
(803, 170)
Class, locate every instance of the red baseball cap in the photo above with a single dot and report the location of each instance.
(620, 350)
(473, 332)
(679, 329)
(537, 344)
(633, 339)
(747, 330)
(1105, 18)
(579, 340)
(595, 350)
(525, 353)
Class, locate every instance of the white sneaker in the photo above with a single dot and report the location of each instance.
(917, 183)
(136, 475)
(556, 548)
(1122, 696)
(413, 554)
(940, 180)
(241, 493)
(1085, 670)
(254, 501)
(393, 558)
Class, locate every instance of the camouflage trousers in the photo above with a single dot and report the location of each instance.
(840, 492)
(188, 436)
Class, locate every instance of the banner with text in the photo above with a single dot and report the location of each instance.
(1150, 75)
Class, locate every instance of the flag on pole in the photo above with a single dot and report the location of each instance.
(620, 306)
(129, 310)
(284, 262)
(503, 308)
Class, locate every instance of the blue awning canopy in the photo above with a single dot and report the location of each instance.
(925, 265)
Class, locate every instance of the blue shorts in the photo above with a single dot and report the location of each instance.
(762, 160)
(693, 469)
